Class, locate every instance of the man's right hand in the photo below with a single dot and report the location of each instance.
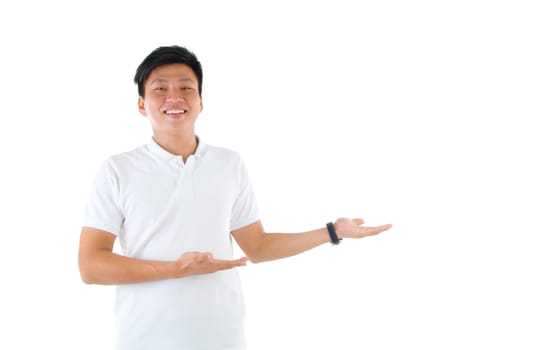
(197, 263)
(100, 265)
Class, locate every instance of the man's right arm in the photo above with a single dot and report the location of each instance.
(98, 263)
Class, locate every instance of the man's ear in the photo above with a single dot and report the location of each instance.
(141, 106)
(201, 103)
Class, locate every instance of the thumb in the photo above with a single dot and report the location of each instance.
(358, 221)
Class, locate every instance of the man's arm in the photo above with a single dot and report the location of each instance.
(260, 246)
(99, 265)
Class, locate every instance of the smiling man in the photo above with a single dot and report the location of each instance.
(174, 204)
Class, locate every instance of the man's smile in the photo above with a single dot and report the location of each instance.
(174, 111)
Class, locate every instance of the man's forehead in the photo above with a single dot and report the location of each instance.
(172, 72)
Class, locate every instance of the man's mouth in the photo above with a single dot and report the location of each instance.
(174, 111)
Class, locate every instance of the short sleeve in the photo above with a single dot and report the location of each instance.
(244, 209)
(102, 209)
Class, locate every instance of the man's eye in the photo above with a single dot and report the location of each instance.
(186, 88)
(159, 88)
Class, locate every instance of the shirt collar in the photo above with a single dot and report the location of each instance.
(155, 148)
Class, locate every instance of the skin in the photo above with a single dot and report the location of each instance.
(174, 88)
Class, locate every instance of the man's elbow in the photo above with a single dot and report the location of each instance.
(254, 259)
(87, 276)
(87, 272)
(257, 256)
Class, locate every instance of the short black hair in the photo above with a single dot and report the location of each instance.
(167, 55)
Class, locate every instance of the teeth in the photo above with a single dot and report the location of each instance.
(175, 111)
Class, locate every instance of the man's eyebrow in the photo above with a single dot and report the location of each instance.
(159, 80)
(163, 80)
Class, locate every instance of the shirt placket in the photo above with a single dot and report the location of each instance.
(184, 188)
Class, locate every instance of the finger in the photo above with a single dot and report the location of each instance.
(358, 221)
(384, 227)
(228, 264)
(243, 261)
(369, 231)
(204, 257)
(379, 229)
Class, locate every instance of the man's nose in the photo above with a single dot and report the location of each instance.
(174, 94)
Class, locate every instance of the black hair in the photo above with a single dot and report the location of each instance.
(166, 55)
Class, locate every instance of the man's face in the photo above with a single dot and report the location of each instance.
(172, 102)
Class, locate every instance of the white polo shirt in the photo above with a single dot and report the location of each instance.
(160, 207)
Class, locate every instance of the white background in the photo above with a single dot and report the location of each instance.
(415, 113)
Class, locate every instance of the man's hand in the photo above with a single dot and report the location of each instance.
(351, 228)
(197, 263)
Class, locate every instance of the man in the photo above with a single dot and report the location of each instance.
(174, 204)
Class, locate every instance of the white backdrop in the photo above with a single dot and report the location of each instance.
(414, 113)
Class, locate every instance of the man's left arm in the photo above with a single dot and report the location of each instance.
(260, 246)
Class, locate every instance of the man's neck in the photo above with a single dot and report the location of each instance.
(183, 146)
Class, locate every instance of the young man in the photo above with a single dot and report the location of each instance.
(174, 204)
